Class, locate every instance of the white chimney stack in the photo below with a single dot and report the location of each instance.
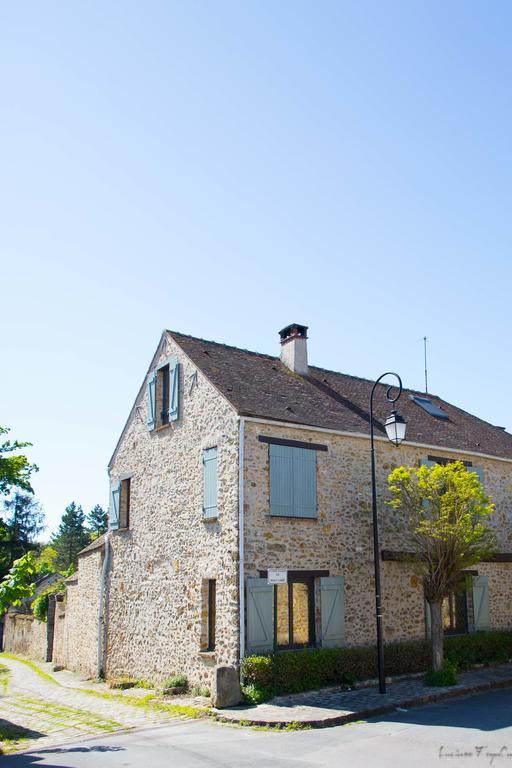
(294, 348)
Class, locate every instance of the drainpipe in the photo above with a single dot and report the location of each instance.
(241, 552)
(102, 610)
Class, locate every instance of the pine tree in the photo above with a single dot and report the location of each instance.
(71, 537)
(98, 520)
(23, 521)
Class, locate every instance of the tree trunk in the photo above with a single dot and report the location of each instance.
(437, 636)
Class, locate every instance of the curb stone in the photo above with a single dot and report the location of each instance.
(363, 714)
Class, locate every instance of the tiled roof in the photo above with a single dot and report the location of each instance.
(261, 386)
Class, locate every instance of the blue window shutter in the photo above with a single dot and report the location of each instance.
(281, 480)
(481, 603)
(304, 482)
(332, 606)
(152, 401)
(113, 513)
(259, 616)
(479, 471)
(210, 482)
(174, 389)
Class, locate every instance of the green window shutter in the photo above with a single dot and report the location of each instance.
(481, 603)
(259, 616)
(174, 389)
(113, 513)
(281, 480)
(427, 463)
(304, 482)
(152, 401)
(210, 482)
(428, 621)
(332, 606)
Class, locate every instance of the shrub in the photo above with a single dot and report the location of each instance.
(257, 670)
(303, 670)
(255, 694)
(41, 602)
(446, 676)
(176, 681)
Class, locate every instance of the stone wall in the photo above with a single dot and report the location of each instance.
(340, 539)
(159, 566)
(25, 635)
(75, 643)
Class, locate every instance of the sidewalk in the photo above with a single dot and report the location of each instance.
(329, 707)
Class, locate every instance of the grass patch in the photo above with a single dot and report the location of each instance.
(149, 703)
(33, 666)
(61, 715)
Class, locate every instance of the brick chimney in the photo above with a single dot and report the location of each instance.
(294, 348)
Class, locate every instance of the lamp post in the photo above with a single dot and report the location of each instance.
(395, 430)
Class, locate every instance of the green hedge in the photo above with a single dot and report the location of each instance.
(312, 668)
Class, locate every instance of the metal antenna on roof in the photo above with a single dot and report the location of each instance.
(425, 355)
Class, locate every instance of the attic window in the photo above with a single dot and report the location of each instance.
(430, 407)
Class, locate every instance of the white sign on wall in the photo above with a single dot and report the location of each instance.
(277, 577)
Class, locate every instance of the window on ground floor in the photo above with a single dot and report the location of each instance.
(295, 614)
(466, 609)
(309, 611)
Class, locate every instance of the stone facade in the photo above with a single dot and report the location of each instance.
(340, 539)
(160, 564)
(75, 643)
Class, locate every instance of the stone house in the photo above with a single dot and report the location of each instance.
(232, 464)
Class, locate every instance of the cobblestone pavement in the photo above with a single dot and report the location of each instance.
(334, 706)
(51, 711)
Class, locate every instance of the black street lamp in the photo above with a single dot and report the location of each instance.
(395, 430)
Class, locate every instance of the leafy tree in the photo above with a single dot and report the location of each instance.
(98, 520)
(446, 511)
(72, 536)
(19, 583)
(15, 471)
(24, 520)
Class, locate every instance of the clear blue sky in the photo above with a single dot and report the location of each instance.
(225, 168)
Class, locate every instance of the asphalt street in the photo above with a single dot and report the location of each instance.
(472, 732)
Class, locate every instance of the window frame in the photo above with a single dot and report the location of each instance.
(124, 512)
(310, 582)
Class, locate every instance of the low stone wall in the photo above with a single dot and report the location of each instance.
(25, 636)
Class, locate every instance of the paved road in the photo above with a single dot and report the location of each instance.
(420, 738)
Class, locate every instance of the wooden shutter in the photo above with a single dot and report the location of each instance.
(481, 603)
(479, 471)
(152, 400)
(332, 606)
(281, 480)
(174, 388)
(113, 513)
(259, 616)
(210, 482)
(304, 482)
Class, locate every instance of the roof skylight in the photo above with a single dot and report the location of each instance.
(430, 407)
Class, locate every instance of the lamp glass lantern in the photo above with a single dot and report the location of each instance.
(395, 427)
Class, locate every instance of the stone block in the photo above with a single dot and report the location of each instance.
(226, 687)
